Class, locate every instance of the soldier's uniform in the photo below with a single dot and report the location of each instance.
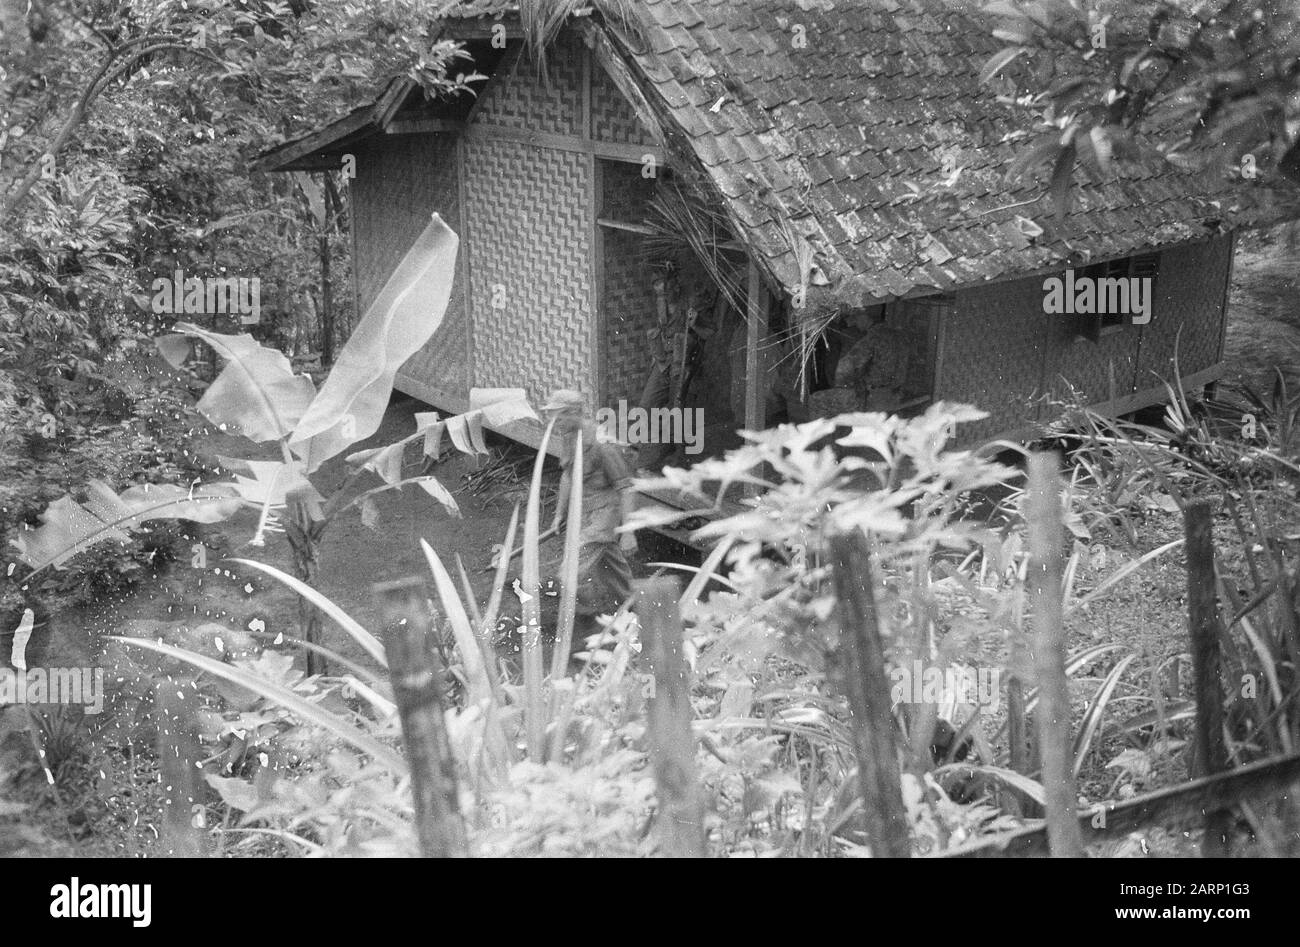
(676, 343)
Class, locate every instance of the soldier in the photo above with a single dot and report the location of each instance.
(604, 575)
(876, 366)
(676, 343)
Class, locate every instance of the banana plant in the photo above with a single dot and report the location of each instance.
(258, 395)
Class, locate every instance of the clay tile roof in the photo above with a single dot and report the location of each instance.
(880, 93)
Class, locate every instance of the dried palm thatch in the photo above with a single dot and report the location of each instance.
(682, 219)
(543, 21)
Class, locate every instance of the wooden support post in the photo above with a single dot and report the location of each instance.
(326, 289)
(1046, 539)
(184, 814)
(416, 676)
(756, 381)
(672, 744)
(861, 670)
(1203, 624)
(755, 377)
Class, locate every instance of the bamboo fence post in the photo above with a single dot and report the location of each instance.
(1203, 626)
(672, 743)
(861, 667)
(1046, 538)
(183, 822)
(417, 688)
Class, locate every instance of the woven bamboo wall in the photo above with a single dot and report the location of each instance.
(612, 118)
(1190, 293)
(401, 180)
(992, 352)
(999, 346)
(524, 100)
(529, 220)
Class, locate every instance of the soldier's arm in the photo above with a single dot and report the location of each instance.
(620, 475)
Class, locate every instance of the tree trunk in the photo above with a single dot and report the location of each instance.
(304, 540)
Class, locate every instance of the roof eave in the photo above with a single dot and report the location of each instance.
(322, 149)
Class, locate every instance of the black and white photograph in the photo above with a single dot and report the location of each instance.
(787, 429)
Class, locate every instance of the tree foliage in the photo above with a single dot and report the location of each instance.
(127, 132)
(1202, 83)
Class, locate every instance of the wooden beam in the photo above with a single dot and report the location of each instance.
(624, 225)
(464, 263)
(756, 382)
(333, 135)
(391, 99)
(599, 366)
(1265, 780)
(585, 121)
(609, 58)
(613, 151)
(423, 126)
(338, 134)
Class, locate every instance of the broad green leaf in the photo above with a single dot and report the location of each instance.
(340, 617)
(256, 393)
(403, 317)
(282, 696)
(68, 527)
(501, 406)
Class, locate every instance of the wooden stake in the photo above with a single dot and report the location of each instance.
(672, 744)
(1203, 624)
(861, 669)
(417, 688)
(1263, 781)
(1046, 536)
(756, 381)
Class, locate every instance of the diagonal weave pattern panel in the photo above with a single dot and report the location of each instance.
(524, 100)
(530, 255)
(612, 118)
